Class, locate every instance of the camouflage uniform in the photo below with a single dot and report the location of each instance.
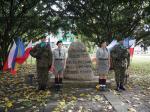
(120, 62)
(43, 55)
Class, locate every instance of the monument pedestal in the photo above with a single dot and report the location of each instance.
(68, 83)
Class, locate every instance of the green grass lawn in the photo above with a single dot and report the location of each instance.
(31, 60)
(140, 65)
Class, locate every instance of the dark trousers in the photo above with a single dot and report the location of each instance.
(42, 76)
(119, 75)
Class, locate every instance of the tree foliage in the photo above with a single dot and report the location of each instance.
(94, 19)
(26, 18)
(107, 18)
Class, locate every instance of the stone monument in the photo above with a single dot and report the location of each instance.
(78, 64)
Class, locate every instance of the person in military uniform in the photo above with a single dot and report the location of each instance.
(59, 64)
(43, 54)
(120, 62)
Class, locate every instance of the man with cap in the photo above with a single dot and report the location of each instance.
(43, 54)
(59, 63)
(120, 61)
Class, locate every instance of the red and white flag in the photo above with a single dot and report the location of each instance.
(22, 59)
(8, 63)
(132, 50)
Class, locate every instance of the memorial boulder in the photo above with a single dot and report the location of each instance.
(78, 64)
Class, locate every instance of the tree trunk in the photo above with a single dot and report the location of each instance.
(5, 48)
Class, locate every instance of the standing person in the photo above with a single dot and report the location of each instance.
(103, 63)
(120, 60)
(43, 54)
(59, 64)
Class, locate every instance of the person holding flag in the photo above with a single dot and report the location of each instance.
(43, 54)
(120, 61)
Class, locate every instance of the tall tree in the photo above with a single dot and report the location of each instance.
(26, 18)
(103, 19)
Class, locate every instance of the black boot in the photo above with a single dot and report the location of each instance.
(117, 88)
(42, 87)
(100, 81)
(60, 80)
(103, 84)
(56, 86)
(56, 80)
(60, 83)
(104, 81)
(122, 87)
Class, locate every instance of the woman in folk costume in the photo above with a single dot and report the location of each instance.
(59, 64)
(103, 63)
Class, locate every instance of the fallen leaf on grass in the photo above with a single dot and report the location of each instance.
(70, 110)
(109, 107)
(74, 98)
(131, 110)
(80, 99)
(136, 98)
(9, 104)
(98, 98)
(82, 94)
(148, 88)
(62, 103)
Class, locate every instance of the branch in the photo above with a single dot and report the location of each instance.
(26, 8)
(17, 30)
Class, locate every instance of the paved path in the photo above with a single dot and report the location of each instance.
(109, 96)
(116, 103)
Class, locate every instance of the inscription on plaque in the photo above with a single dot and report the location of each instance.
(78, 65)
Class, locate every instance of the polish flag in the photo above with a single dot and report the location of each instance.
(21, 60)
(8, 64)
(132, 43)
(112, 44)
(132, 50)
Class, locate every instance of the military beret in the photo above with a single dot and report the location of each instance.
(58, 42)
(119, 37)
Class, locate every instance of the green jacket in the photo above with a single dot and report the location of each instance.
(43, 55)
(120, 56)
